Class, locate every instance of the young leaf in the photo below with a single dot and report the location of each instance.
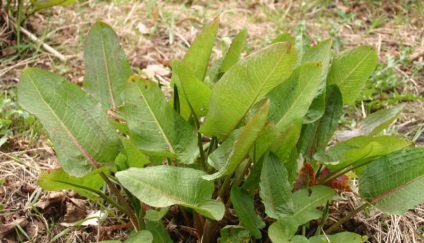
(155, 127)
(159, 232)
(234, 51)
(163, 186)
(250, 79)
(291, 100)
(56, 180)
(134, 156)
(198, 54)
(316, 136)
(395, 181)
(234, 233)
(244, 206)
(106, 66)
(374, 123)
(195, 92)
(319, 53)
(144, 236)
(350, 69)
(244, 142)
(283, 230)
(77, 125)
(306, 201)
(360, 150)
(275, 189)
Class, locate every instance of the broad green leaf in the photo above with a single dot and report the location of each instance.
(51, 3)
(282, 230)
(291, 100)
(234, 233)
(163, 186)
(245, 83)
(77, 125)
(135, 157)
(233, 53)
(251, 184)
(350, 69)
(58, 179)
(106, 66)
(374, 123)
(195, 92)
(159, 232)
(283, 37)
(220, 156)
(243, 204)
(360, 150)
(394, 182)
(319, 53)
(316, 136)
(305, 202)
(155, 127)
(267, 137)
(345, 237)
(197, 56)
(144, 236)
(275, 188)
(243, 143)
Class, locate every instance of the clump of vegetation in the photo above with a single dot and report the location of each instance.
(239, 152)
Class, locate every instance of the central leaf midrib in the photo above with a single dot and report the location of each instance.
(153, 115)
(109, 84)
(74, 140)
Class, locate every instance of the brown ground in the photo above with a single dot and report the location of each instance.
(155, 32)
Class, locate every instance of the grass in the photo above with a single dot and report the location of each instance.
(155, 32)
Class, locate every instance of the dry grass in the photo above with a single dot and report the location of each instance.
(155, 32)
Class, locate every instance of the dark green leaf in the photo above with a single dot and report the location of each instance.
(244, 206)
(159, 232)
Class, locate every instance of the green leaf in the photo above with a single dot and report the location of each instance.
(350, 69)
(360, 150)
(154, 215)
(319, 53)
(284, 145)
(195, 92)
(395, 181)
(106, 66)
(345, 237)
(305, 202)
(56, 180)
(163, 186)
(197, 56)
(155, 127)
(374, 123)
(250, 79)
(243, 143)
(316, 136)
(290, 100)
(159, 232)
(244, 207)
(135, 157)
(282, 230)
(267, 137)
(77, 125)
(144, 236)
(234, 233)
(233, 53)
(275, 189)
